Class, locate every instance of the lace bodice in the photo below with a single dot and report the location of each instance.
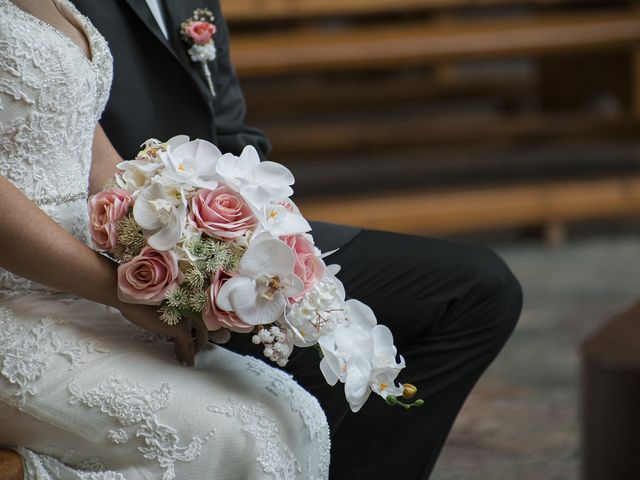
(51, 96)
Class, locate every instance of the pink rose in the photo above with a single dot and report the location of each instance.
(105, 209)
(216, 318)
(200, 32)
(221, 213)
(309, 267)
(148, 277)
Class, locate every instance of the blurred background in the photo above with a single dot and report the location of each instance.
(513, 123)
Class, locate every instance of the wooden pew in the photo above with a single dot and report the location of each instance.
(253, 11)
(483, 208)
(370, 47)
(10, 466)
(328, 78)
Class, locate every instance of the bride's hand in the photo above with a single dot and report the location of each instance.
(189, 336)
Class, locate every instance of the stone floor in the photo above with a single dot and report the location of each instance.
(522, 420)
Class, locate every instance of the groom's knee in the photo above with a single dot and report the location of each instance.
(498, 294)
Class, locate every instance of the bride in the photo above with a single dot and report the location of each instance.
(89, 386)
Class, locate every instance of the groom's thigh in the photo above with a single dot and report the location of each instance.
(424, 287)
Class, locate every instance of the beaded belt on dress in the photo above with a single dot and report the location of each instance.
(60, 198)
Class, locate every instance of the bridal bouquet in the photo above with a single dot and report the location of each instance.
(199, 233)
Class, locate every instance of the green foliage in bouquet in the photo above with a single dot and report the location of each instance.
(130, 239)
(214, 255)
(190, 298)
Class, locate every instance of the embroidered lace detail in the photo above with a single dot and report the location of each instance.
(92, 464)
(50, 101)
(275, 457)
(26, 352)
(283, 386)
(118, 436)
(45, 467)
(135, 408)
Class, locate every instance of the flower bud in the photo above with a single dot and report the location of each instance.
(391, 400)
(409, 391)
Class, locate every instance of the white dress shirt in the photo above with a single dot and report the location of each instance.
(154, 6)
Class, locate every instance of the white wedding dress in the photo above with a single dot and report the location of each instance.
(83, 393)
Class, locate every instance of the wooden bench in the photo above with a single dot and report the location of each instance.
(370, 47)
(329, 79)
(10, 466)
(255, 11)
(485, 208)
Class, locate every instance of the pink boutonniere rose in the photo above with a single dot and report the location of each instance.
(198, 31)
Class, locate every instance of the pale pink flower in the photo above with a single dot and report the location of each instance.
(149, 277)
(309, 267)
(200, 32)
(105, 209)
(214, 317)
(221, 213)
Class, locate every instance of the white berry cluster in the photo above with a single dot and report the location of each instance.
(277, 345)
(319, 311)
(203, 53)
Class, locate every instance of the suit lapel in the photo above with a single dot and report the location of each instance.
(141, 9)
(176, 11)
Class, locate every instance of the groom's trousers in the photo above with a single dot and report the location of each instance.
(451, 307)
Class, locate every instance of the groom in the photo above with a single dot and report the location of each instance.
(450, 306)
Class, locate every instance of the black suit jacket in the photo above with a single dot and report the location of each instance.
(158, 92)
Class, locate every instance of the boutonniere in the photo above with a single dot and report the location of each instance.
(198, 31)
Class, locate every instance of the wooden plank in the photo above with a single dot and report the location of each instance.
(635, 81)
(483, 209)
(299, 140)
(269, 10)
(425, 42)
(315, 95)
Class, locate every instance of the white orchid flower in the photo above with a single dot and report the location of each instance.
(189, 236)
(162, 212)
(384, 351)
(140, 172)
(191, 163)
(247, 170)
(280, 221)
(274, 217)
(352, 369)
(258, 293)
(136, 174)
(361, 354)
(356, 385)
(385, 369)
(383, 383)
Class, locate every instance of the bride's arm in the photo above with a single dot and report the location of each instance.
(105, 159)
(33, 246)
